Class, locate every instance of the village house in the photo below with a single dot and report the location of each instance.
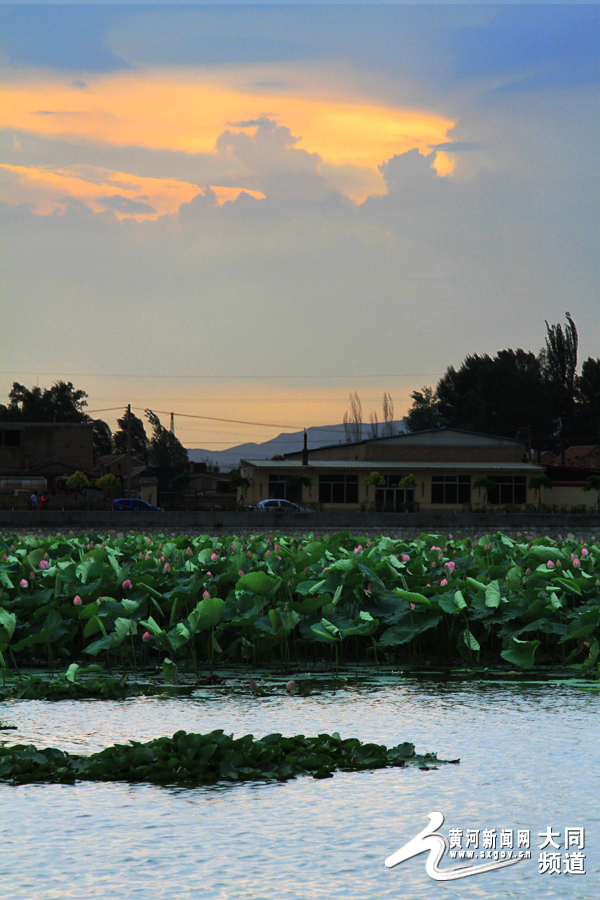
(444, 462)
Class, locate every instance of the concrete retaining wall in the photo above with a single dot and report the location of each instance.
(253, 522)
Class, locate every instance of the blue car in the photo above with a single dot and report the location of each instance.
(128, 504)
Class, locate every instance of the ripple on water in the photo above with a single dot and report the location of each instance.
(528, 761)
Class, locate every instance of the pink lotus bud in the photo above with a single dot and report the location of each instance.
(528, 571)
(290, 687)
(23, 583)
(268, 553)
(586, 643)
(162, 559)
(44, 564)
(305, 570)
(100, 599)
(550, 564)
(370, 587)
(161, 545)
(558, 563)
(206, 595)
(584, 551)
(249, 554)
(189, 551)
(77, 601)
(4, 557)
(167, 567)
(427, 585)
(126, 585)
(46, 555)
(102, 546)
(268, 541)
(368, 543)
(213, 557)
(576, 563)
(12, 547)
(240, 572)
(433, 564)
(444, 582)
(326, 569)
(141, 556)
(147, 556)
(146, 636)
(32, 576)
(412, 605)
(405, 557)
(148, 541)
(277, 547)
(209, 574)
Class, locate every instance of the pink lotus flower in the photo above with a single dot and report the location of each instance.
(405, 557)
(213, 557)
(550, 564)
(24, 583)
(206, 595)
(240, 572)
(126, 585)
(584, 551)
(209, 575)
(77, 601)
(146, 636)
(576, 563)
(450, 566)
(358, 549)
(44, 564)
(444, 582)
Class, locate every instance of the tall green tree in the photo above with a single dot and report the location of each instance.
(165, 448)
(560, 369)
(139, 438)
(588, 402)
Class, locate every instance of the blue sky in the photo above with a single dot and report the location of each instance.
(419, 183)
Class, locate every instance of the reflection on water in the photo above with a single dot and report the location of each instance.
(528, 761)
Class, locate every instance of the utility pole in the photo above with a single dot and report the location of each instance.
(172, 423)
(129, 449)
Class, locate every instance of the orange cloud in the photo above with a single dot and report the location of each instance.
(187, 109)
(141, 198)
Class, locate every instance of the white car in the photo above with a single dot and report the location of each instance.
(281, 506)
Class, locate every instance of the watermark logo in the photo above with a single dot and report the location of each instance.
(498, 847)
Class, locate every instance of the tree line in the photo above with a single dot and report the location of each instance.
(517, 393)
(64, 403)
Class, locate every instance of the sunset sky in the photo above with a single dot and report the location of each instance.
(246, 212)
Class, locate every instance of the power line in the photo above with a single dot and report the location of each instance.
(217, 377)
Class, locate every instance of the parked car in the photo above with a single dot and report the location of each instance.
(127, 504)
(281, 506)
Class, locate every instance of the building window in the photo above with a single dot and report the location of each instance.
(512, 489)
(451, 489)
(277, 487)
(10, 438)
(390, 498)
(338, 487)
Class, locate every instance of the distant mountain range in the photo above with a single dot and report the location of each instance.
(286, 442)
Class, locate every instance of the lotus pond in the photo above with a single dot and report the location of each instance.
(528, 761)
(164, 656)
(284, 601)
